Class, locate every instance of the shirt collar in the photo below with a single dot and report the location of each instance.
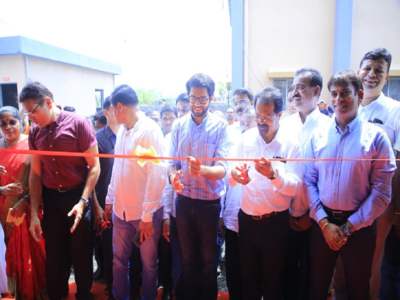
(108, 131)
(202, 122)
(350, 127)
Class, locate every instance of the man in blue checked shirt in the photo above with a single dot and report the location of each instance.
(194, 136)
(346, 197)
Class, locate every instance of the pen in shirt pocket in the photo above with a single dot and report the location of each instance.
(280, 157)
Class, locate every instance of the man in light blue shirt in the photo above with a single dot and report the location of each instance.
(193, 137)
(345, 197)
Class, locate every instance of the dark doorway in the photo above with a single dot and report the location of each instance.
(9, 95)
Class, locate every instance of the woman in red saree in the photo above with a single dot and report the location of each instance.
(25, 257)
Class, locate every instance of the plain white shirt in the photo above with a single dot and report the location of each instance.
(261, 195)
(135, 191)
(293, 126)
(386, 110)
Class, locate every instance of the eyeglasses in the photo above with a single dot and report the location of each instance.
(241, 103)
(11, 123)
(264, 119)
(297, 87)
(202, 99)
(33, 111)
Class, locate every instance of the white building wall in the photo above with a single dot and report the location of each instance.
(286, 35)
(71, 85)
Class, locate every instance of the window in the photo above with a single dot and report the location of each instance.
(283, 85)
(99, 96)
(392, 88)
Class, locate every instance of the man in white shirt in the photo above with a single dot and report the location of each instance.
(305, 92)
(385, 113)
(134, 194)
(242, 98)
(266, 198)
(229, 223)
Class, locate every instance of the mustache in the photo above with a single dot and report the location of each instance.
(239, 110)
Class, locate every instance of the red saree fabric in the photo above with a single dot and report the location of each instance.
(25, 257)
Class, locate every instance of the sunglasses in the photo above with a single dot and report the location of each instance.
(11, 123)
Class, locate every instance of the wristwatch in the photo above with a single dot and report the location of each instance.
(85, 201)
(346, 229)
(274, 175)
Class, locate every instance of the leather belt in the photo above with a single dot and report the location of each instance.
(265, 216)
(67, 189)
(338, 214)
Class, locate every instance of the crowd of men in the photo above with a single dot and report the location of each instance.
(287, 221)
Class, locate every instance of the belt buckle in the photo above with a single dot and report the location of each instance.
(257, 218)
(337, 212)
(61, 190)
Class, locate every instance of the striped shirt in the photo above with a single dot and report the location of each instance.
(207, 140)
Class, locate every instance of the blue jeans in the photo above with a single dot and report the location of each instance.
(122, 248)
(197, 222)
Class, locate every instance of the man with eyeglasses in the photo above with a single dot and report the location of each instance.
(182, 105)
(267, 191)
(305, 92)
(194, 137)
(65, 185)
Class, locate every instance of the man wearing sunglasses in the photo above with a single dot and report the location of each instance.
(193, 137)
(65, 185)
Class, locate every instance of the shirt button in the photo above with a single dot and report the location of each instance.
(51, 131)
(336, 173)
(51, 146)
(56, 172)
(334, 192)
(54, 159)
(60, 185)
(338, 155)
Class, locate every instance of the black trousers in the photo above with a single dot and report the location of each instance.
(357, 256)
(61, 245)
(164, 264)
(297, 271)
(232, 262)
(262, 246)
(390, 282)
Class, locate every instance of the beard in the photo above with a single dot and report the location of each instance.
(263, 129)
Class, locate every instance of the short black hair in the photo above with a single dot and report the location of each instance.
(201, 81)
(376, 54)
(35, 91)
(313, 74)
(69, 108)
(345, 77)
(270, 94)
(147, 113)
(168, 108)
(100, 117)
(182, 98)
(107, 103)
(244, 91)
(125, 95)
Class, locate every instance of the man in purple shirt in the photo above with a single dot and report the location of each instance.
(64, 184)
(345, 197)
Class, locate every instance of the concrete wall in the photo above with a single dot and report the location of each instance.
(376, 24)
(286, 35)
(13, 67)
(70, 85)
